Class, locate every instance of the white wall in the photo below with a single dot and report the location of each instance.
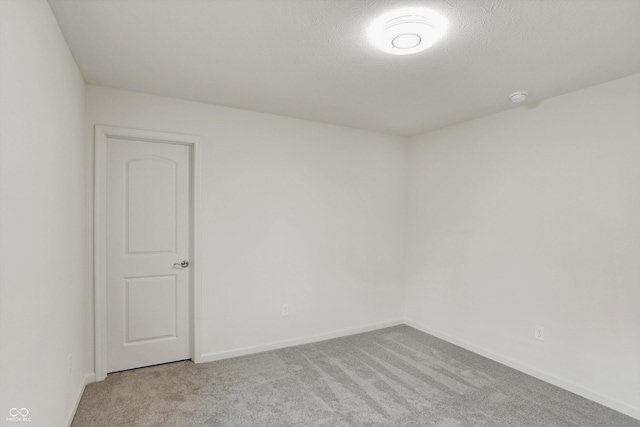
(532, 217)
(42, 217)
(293, 211)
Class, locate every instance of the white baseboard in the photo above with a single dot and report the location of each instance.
(212, 357)
(530, 370)
(88, 379)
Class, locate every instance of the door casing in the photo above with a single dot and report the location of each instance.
(101, 135)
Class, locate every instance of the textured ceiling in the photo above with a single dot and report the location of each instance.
(311, 58)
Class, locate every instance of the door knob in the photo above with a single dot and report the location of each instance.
(183, 264)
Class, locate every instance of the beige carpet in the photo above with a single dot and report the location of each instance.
(392, 377)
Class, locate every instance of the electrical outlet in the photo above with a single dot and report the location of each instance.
(285, 309)
(539, 333)
(70, 364)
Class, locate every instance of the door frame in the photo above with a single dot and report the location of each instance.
(102, 133)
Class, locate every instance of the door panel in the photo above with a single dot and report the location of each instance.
(148, 231)
(151, 205)
(150, 309)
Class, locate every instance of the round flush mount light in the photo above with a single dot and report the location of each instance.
(407, 31)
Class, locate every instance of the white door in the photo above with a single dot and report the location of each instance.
(148, 232)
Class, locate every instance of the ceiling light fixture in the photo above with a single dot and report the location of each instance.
(407, 31)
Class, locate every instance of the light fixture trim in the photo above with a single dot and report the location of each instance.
(407, 31)
(406, 41)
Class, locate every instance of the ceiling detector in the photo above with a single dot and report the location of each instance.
(407, 31)
(518, 96)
